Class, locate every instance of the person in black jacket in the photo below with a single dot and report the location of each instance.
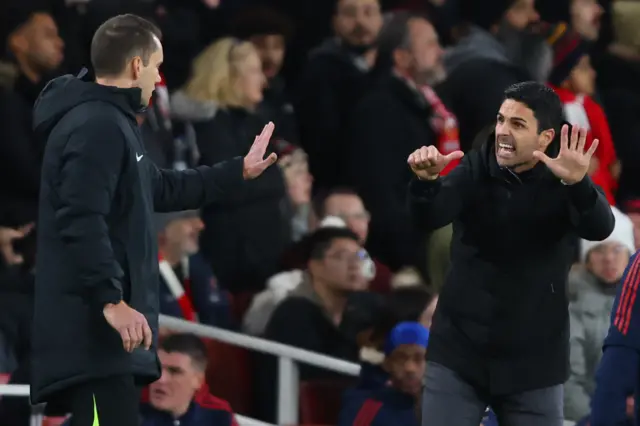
(500, 333)
(96, 292)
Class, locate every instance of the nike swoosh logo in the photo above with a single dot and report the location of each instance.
(139, 157)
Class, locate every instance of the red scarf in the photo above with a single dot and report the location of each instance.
(445, 125)
(583, 111)
(180, 290)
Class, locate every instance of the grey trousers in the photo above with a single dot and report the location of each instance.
(448, 400)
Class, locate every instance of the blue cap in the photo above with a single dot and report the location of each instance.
(407, 333)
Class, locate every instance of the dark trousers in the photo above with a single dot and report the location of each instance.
(112, 401)
(448, 400)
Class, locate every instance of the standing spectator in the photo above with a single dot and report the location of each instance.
(515, 214)
(584, 16)
(401, 114)
(487, 53)
(31, 37)
(188, 288)
(245, 236)
(573, 79)
(333, 80)
(270, 32)
(593, 289)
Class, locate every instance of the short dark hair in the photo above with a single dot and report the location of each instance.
(187, 344)
(542, 100)
(261, 20)
(318, 202)
(320, 241)
(394, 35)
(118, 40)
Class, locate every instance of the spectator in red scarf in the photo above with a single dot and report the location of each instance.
(573, 79)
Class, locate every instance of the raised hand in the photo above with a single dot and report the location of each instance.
(572, 163)
(427, 162)
(254, 161)
(7, 238)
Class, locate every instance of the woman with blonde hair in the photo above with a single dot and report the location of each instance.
(243, 238)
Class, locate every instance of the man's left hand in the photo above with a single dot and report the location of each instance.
(254, 162)
(572, 163)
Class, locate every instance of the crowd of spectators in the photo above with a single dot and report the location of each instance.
(321, 252)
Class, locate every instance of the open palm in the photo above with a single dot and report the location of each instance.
(254, 161)
(572, 163)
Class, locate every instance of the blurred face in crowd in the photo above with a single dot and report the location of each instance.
(271, 49)
(427, 316)
(349, 207)
(180, 237)
(341, 267)
(406, 366)
(522, 14)
(421, 60)
(146, 76)
(181, 378)
(607, 261)
(38, 44)
(518, 136)
(358, 22)
(297, 176)
(251, 79)
(585, 18)
(582, 79)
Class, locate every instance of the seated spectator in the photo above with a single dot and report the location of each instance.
(346, 204)
(293, 162)
(281, 285)
(573, 79)
(270, 31)
(405, 350)
(181, 396)
(188, 288)
(323, 314)
(245, 237)
(593, 289)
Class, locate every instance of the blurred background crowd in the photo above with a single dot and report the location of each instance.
(321, 252)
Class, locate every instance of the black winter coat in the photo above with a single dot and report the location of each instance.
(502, 317)
(96, 240)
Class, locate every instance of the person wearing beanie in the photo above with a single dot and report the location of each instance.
(486, 60)
(618, 374)
(573, 79)
(592, 289)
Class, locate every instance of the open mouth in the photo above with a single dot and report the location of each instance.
(506, 150)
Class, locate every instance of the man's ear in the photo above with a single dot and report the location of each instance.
(136, 67)
(18, 42)
(545, 138)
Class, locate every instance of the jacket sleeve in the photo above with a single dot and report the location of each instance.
(89, 172)
(175, 190)
(576, 398)
(590, 211)
(616, 380)
(437, 203)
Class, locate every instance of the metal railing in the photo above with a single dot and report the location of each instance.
(288, 359)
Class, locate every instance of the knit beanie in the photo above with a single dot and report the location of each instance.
(484, 14)
(622, 234)
(568, 47)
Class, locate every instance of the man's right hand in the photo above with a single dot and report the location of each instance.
(427, 162)
(130, 324)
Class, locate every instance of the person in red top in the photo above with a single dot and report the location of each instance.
(573, 79)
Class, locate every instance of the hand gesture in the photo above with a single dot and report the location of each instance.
(7, 237)
(254, 161)
(427, 162)
(130, 324)
(572, 163)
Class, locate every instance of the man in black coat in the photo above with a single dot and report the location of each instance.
(96, 298)
(500, 333)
